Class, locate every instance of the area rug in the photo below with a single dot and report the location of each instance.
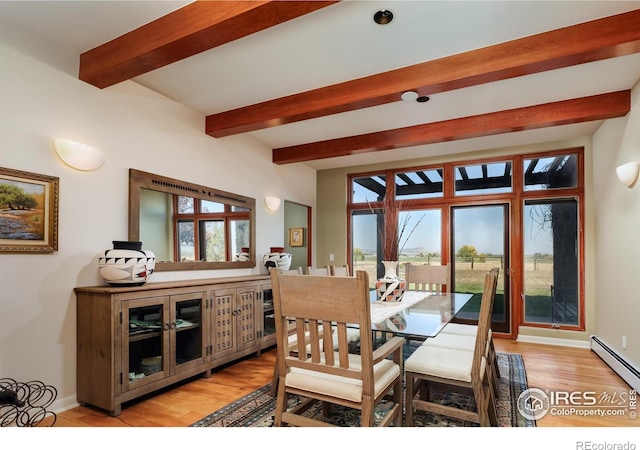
(257, 408)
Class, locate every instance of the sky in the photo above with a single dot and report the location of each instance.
(478, 226)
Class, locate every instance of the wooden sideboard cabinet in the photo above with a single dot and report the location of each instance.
(132, 341)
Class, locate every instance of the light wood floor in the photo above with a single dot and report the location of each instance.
(548, 368)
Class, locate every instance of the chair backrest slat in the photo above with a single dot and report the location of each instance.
(422, 277)
(327, 331)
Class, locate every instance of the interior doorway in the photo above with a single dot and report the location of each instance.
(297, 218)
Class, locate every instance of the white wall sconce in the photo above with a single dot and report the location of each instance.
(628, 173)
(77, 155)
(272, 203)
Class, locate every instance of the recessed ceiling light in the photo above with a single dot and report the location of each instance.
(383, 16)
(409, 96)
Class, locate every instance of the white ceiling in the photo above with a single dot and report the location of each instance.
(335, 44)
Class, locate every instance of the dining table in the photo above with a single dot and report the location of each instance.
(419, 314)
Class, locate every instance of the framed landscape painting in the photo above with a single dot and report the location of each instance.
(28, 212)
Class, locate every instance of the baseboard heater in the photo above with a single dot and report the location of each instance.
(626, 371)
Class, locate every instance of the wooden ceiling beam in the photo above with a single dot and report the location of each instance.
(585, 109)
(195, 28)
(590, 41)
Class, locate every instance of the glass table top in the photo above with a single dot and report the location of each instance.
(421, 314)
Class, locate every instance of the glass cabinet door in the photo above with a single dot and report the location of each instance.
(188, 343)
(145, 341)
(165, 335)
(269, 323)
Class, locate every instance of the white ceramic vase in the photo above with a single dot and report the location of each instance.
(126, 264)
(279, 260)
(390, 288)
(390, 269)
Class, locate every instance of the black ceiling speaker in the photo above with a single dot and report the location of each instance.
(383, 16)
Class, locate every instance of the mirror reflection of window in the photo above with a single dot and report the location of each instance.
(187, 247)
(202, 227)
(211, 207)
(212, 241)
(199, 225)
(185, 205)
(240, 235)
(206, 230)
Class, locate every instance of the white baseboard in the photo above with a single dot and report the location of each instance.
(553, 341)
(63, 404)
(617, 363)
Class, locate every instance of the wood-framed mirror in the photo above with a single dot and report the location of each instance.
(189, 226)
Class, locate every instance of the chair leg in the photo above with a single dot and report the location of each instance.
(493, 412)
(408, 401)
(274, 380)
(493, 358)
(423, 389)
(398, 398)
(494, 381)
(481, 394)
(494, 371)
(486, 401)
(326, 409)
(281, 404)
(366, 419)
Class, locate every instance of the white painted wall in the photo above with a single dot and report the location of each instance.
(136, 128)
(617, 225)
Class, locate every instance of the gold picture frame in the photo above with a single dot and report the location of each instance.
(296, 237)
(28, 212)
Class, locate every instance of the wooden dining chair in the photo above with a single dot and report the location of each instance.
(296, 271)
(319, 271)
(423, 277)
(454, 371)
(426, 278)
(358, 381)
(340, 271)
(463, 337)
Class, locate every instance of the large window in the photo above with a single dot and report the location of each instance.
(551, 263)
(541, 195)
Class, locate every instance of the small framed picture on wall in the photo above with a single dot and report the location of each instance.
(296, 237)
